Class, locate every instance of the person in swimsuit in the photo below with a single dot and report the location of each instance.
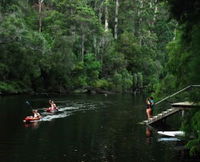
(148, 108)
(151, 104)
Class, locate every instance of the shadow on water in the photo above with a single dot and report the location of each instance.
(87, 128)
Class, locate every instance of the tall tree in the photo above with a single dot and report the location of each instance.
(116, 19)
(40, 4)
(106, 14)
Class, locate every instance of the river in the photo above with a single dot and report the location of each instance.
(86, 128)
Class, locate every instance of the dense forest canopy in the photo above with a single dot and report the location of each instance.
(63, 45)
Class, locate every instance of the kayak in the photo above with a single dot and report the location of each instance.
(31, 119)
(171, 133)
(51, 109)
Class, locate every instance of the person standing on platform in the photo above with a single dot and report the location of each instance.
(148, 108)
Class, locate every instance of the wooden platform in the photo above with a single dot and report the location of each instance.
(176, 107)
(161, 116)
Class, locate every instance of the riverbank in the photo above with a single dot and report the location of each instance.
(15, 89)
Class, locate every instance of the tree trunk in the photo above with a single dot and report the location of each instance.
(141, 5)
(103, 50)
(116, 19)
(95, 45)
(100, 14)
(40, 15)
(106, 16)
(82, 47)
(155, 11)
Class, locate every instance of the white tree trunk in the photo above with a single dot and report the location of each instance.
(106, 16)
(141, 5)
(40, 14)
(116, 19)
(155, 11)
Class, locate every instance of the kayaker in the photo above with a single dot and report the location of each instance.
(53, 105)
(36, 114)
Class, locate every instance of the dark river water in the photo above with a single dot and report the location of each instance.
(86, 128)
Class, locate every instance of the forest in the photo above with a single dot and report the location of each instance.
(65, 46)
(71, 45)
(182, 67)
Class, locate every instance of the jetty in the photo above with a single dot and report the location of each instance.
(174, 108)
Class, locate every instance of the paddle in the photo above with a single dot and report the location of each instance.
(28, 103)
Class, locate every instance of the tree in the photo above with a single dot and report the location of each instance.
(183, 64)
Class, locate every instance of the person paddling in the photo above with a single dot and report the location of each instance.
(36, 114)
(53, 105)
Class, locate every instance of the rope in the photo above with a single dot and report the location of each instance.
(176, 93)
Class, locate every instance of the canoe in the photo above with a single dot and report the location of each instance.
(171, 133)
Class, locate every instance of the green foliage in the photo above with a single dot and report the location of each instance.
(184, 61)
(191, 126)
(86, 73)
(103, 84)
(3, 71)
(7, 88)
(164, 87)
(74, 51)
(13, 87)
(92, 68)
(193, 145)
(79, 76)
(122, 81)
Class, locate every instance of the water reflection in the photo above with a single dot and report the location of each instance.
(148, 135)
(34, 125)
